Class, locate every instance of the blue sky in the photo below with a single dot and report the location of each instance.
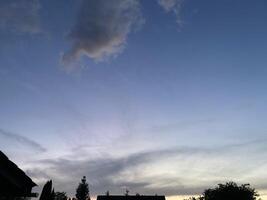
(158, 96)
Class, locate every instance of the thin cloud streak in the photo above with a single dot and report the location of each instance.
(22, 140)
(172, 6)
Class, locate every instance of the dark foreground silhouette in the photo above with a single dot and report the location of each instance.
(130, 197)
(14, 183)
(229, 191)
(48, 193)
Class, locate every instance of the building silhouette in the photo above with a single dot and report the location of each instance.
(130, 197)
(14, 183)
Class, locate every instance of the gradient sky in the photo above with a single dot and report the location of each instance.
(157, 96)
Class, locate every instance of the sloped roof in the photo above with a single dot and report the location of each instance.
(13, 181)
(130, 197)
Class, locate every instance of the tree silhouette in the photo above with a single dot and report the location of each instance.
(229, 191)
(47, 192)
(60, 196)
(82, 191)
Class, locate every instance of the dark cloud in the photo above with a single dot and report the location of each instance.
(19, 16)
(102, 28)
(22, 140)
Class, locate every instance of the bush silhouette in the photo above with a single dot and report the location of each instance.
(61, 196)
(47, 192)
(229, 191)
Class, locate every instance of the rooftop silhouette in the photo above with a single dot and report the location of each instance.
(13, 181)
(130, 197)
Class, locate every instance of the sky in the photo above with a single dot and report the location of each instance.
(156, 96)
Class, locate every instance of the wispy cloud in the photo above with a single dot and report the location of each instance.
(22, 140)
(172, 6)
(102, 28)
(20, 16)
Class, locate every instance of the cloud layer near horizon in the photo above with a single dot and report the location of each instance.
(157, 171)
